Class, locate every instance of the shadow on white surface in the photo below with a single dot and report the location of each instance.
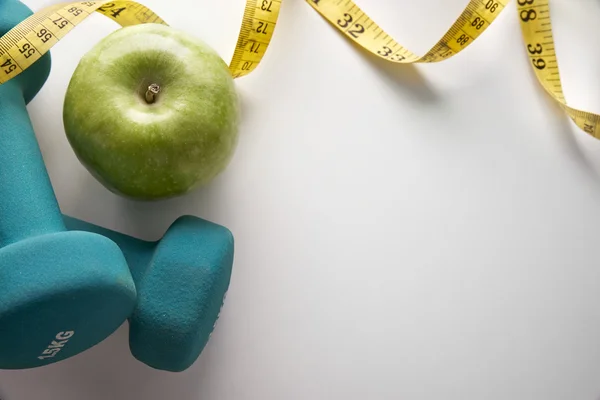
(582, 149)
(399, 236)
(149, 220)
(404, 79)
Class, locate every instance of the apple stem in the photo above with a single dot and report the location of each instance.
(151, 93)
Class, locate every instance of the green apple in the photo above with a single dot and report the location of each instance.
(152, 112)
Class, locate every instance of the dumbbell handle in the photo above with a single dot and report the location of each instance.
(137, 252)
(181, 283)
(28, 206)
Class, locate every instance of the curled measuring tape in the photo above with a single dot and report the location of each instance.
(33, 37)
(357, 26)
(536, 27)
(534, 16)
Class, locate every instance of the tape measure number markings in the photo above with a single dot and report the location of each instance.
(29, 40)
(536, 27)
(36, 35)
(346, 16)
(258, 25)
(33, 37)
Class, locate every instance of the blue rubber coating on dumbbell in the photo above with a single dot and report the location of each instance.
(181, 281)
(60, 292)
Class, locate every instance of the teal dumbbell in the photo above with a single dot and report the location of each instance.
(61, 292)
(181, 282)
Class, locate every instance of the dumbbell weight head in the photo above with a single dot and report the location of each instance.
(181, 282)
(61, 292)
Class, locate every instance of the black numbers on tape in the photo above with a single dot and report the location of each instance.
(588, 128)
(262, 27)
(61, 22)
(44, 35)
(75, 11)
(539, 63)
(535, 50)
(346, 21)
(478, 23)
(385, 51)
(446, 53)
(9, 66)
(27, 50)
(114, 13)
(357, 30)
(266, 5)
(491, 6)
(463, 39)
(246, 66)
(106, 7)
(254, 47)
(528, 15)
(88, 3)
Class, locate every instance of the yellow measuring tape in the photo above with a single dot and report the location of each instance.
(33, 37)
(539, 41)
(356, 25)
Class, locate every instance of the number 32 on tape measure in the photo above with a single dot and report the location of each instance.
(360, 28)
(535, 23)
(34, 36)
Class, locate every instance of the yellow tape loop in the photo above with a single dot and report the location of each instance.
(358, 27)
(536, 27)
(34, 36)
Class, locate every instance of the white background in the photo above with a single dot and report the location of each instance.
(414, 233)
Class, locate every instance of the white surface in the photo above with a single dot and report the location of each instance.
(415, 233)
